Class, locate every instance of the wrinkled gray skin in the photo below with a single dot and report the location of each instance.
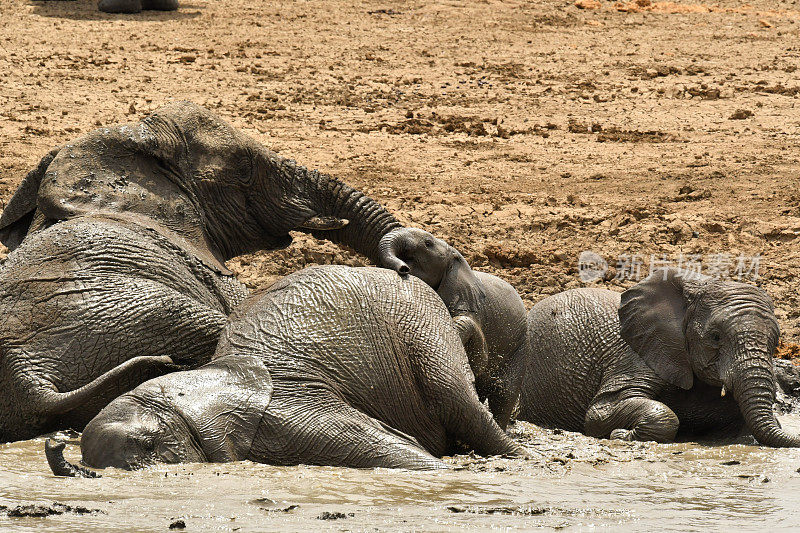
(354, 367)
(654, 363)
(487, 312)
(119, 240)
(135, 6)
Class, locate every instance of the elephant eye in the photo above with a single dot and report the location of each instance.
(148, 444)
(429, 243)
(715, 337)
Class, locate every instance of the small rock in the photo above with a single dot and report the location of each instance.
(765, 23)
(787, 374)
(741, 114)
(178, 524)
(334, 516)
(587, 4)
(731, 463)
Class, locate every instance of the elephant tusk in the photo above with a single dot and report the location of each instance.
(324, 223)
(722, 392)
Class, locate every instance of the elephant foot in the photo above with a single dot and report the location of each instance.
(622, 434)
(120, 6)
(648, 419)
(136, 6)
(160, 5)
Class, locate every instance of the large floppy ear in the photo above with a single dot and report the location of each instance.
(652, 318)
(18, 213)
(460, 289)
(231, 396)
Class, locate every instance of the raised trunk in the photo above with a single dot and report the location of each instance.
(368, 220)
(754, 390)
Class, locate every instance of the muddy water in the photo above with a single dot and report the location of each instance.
(578, 484)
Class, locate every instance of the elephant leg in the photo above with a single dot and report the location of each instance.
(100, 339)
(636, 418)
(160, 5)
(474, 343)
(454, 402)
(120, 6)
(309, 425)
(503, 391)
(703, 412)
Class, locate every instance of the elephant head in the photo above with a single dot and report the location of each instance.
(487, 311)
(206, 415)
(417, 252)
(209, 188)
(723, 333)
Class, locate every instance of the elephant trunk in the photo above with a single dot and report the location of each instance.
(389, 250)
(754, 390)
(54, 451)
(368, 221)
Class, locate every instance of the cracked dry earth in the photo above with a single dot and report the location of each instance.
(522, 132)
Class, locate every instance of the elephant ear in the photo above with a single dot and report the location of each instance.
(225, 404)
(18, 213)
(652, 315)
(460, 289)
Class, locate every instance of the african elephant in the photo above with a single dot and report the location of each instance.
(676, 354)
(135, 6)
(119, 240)
(487, 312)
(333, 365)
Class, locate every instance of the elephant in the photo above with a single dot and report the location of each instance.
(118, 241)
(332, 365)
(678, 355)
(487, 311)
(136, 6)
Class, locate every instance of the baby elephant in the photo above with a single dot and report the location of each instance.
(487, 312)
(333, 365)
(676, 354)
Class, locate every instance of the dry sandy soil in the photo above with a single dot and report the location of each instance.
(522, 132)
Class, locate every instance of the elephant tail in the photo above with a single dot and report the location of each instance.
(54, 451)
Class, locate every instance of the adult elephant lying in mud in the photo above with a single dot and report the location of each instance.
(119, 241)
(333, 365)
(488, 313)
(679, 355)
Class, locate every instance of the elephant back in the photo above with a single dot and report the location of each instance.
(565, 364)
(361, 333)
(155, 172)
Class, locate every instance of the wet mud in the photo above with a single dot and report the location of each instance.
(574, 483)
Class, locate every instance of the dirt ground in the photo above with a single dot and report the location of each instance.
(522, 132)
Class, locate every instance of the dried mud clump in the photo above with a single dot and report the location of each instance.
(741, 114)
(789, 352)
(36, 510)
